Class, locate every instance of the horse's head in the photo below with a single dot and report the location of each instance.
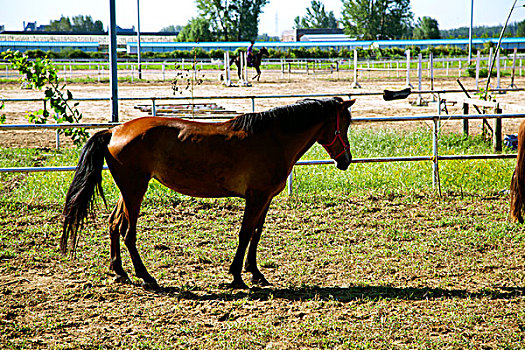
(334, 136)
(264, 51)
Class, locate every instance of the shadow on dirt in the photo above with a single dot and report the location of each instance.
(345, 295)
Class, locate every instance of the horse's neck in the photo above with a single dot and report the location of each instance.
(296, 143)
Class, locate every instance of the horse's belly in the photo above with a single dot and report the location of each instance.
(202, 183)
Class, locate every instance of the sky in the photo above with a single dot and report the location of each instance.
(278, 15)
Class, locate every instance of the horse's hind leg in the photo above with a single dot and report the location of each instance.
(118, 225)
(130, 240)
(133, 185)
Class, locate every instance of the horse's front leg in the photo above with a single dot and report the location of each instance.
(255, 208)
(251, 259)
(258, 75)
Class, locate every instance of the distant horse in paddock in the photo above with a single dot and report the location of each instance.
(249, 156)
(255, 63)
(517, 184)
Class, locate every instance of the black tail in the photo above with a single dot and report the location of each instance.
(80, 198)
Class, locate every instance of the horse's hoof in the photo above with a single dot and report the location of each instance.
(261, 281)
(238, 285)
(150, 285)
(124, 279)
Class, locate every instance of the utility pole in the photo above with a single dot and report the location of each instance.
(470, 31)
(138, 40)
(113, 60)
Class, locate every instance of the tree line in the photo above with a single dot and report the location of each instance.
(238, 20)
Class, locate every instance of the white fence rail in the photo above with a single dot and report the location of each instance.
(434, 157)
(167, 69)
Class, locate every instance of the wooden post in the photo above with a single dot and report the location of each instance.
(431, 63)
(513, 74)
(408, 69)
(498, 70)
(419, 71)
(355, 84)
(478, 59)
(465, 121)
(496, 137)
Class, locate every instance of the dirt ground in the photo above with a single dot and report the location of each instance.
(271, 83)
(398, 272)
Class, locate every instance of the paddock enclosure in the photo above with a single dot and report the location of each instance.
(374, 260)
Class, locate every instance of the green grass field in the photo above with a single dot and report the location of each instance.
(370, 258)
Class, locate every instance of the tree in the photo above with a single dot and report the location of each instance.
(316, 17)
(426, 28)
(197, 30)
(76, 24)
(172, 29)
(86, 24)
(232, 19)
(377, 19)
(520, 32)
(61, 25)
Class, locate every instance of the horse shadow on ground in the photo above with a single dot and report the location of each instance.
(345, 294)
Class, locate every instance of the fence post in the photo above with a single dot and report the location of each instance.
(496, 137)
(435, 152)
(491, 52)
(227, 78)
(513, 74)
(465, 121)
(290, 183)
(153, 108)
(419, 71)
(408, 68)
(57, 132)
(498, 66)
(431, 63)
(355, 84)
(478, 61)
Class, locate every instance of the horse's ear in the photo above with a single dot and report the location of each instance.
(347, 104)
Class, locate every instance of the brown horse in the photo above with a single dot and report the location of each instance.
(517, 184)
(256, 62)
(249, 156)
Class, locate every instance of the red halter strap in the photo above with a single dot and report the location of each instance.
(336, 137)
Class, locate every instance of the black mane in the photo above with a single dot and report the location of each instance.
(297, 116)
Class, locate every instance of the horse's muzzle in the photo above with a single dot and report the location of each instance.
(342, 162)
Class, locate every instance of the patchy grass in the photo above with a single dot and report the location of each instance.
(353, 272)
(368, 259)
